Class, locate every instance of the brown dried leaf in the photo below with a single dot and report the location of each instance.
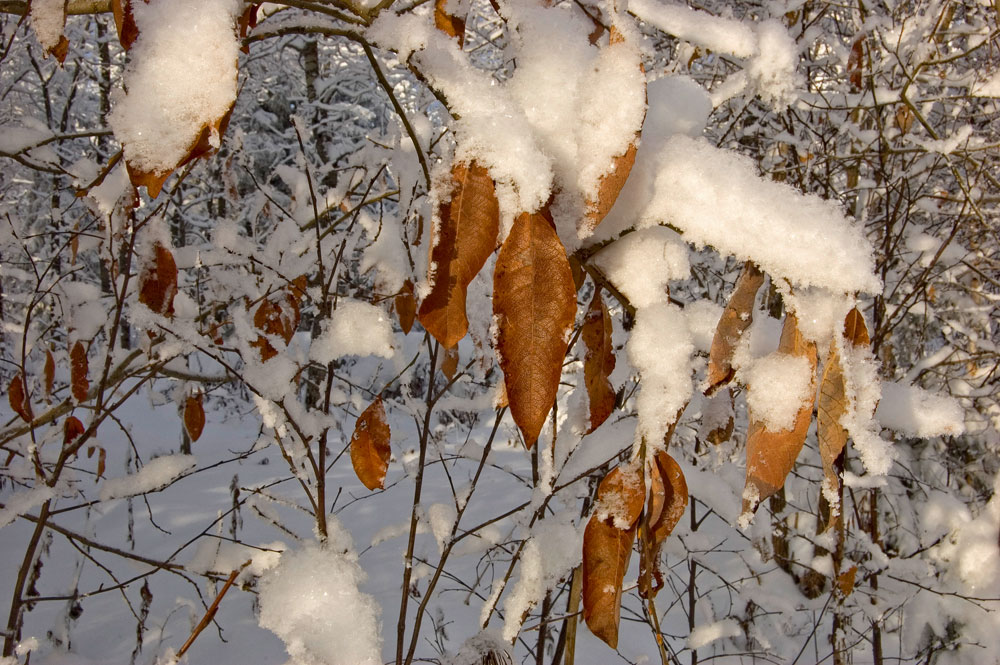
(598, 361)
(246, 22)
(49, 372)
(18, 399)
(449, 364)
(194, 416)
(534, 304)
(124, 22)
(607, 549)
(78, 370)
(406, 306)
(736, 318)
(370, 446)
(465, 236)
(279, 317)
(772, 454)
(72, 429)
(845, 581)
(453, 26)
(158, 282)
(612, 182)
(668, 498)
(855, 63)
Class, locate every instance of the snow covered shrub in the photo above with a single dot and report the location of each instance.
(362, 332)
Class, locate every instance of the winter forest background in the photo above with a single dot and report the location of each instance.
(348, 332)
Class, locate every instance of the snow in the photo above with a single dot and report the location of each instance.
(707, 633)
(642, 264)
(660, 348)
(552, 552)
(155, 474)
(47, 19)
(916, 412)
(715, 198)
(518, 129)
(24, 502)
(702, 318)
(354, 328)
(777, 387)
(770, 52)
(181, 78)
(312, 602)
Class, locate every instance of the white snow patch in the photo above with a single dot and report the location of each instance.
(716, 198)
(916, 412)
(641, 264)
(155, 474)
(704, 635)
(778, 385)
(181, 77)
(355, 328)
(22, 502)
(661, 349)
(312, 602)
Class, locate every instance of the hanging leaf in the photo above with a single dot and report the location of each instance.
(18, 399)
(534, 304)
(279, 317)
(668, 498)
(405, 305)
(370, 446)
(49, 372)
(607, 548)
(611, 183)
(845, 581)
(246, 22)
(158, 282)
(736, 318)
(72, 429)
(598, 361)
(464, 237)
(718, 417)
(124, 22)
(194, 416)
(78, 369)
(772, 454)
(451, 25)
(855, 64)
(832, 403)
(449, 365)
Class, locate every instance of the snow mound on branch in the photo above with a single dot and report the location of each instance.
(181, 77)
(641, 264)
(156, 474)
(312, 602)
(919, 413)
(715, 197)
(355, 329)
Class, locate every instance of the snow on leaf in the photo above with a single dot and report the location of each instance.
(79, 368)
(464, 237)
(449, 24)
(370, 446)
(833, 400)
(48, 19)
(736, 318)
(771, 454)
(194, 416)
(611, 183)
(449, 365)
(180, 84)
(158, 281)
(534, 304)
(598, 361)
(607, 547)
